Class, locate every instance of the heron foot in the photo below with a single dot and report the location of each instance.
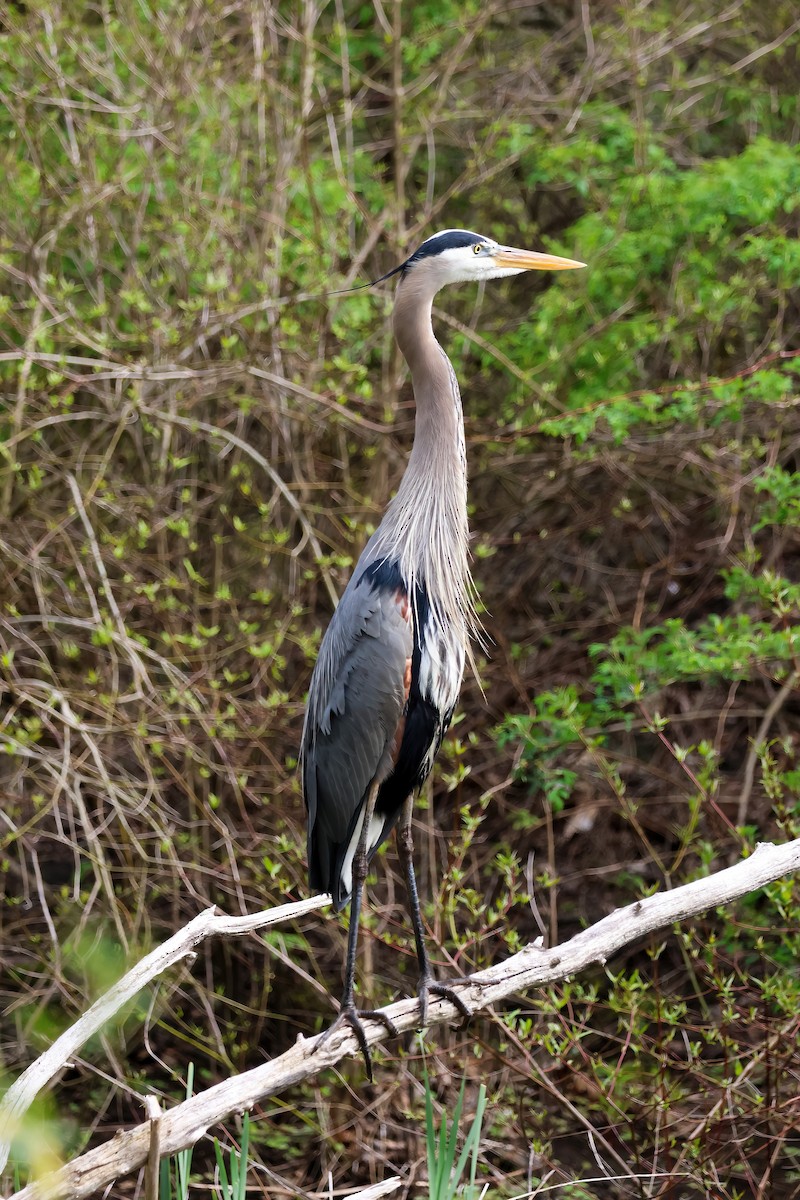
(427, 986)
(354, 1017)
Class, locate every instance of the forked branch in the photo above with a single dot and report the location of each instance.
(209, 923)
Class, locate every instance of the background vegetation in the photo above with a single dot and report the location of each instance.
(197, 441)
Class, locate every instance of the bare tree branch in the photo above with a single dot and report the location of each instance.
(209, 923)
(531, 967)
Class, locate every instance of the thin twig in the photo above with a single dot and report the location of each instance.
(773, 708)
(226, 436)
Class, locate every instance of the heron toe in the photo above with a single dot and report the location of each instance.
(428, 985)
(354, 1017)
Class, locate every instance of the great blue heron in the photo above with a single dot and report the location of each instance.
(390, 665)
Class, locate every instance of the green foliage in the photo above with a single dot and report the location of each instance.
(685, 266)
(446, 1167)
(782, 489)
(631, 673)
(560, 720)
(232, 1181)
(702, 408)
(636, 663)
(178, 1189)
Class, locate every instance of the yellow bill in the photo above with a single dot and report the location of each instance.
(531, 260)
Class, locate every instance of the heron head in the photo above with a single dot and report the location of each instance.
(459, 255)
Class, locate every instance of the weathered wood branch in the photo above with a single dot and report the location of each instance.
(532, 967)
(209, 923)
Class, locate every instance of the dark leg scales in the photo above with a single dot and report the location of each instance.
(427, 984)
(348, 1013)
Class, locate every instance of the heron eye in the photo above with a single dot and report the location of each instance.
(477, 248)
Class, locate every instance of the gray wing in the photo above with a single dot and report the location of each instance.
(355, 707)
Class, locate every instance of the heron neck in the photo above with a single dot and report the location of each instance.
(426, 523)
(438, 451)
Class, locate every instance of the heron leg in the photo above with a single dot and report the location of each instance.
(348, 1013)
(427, 984)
